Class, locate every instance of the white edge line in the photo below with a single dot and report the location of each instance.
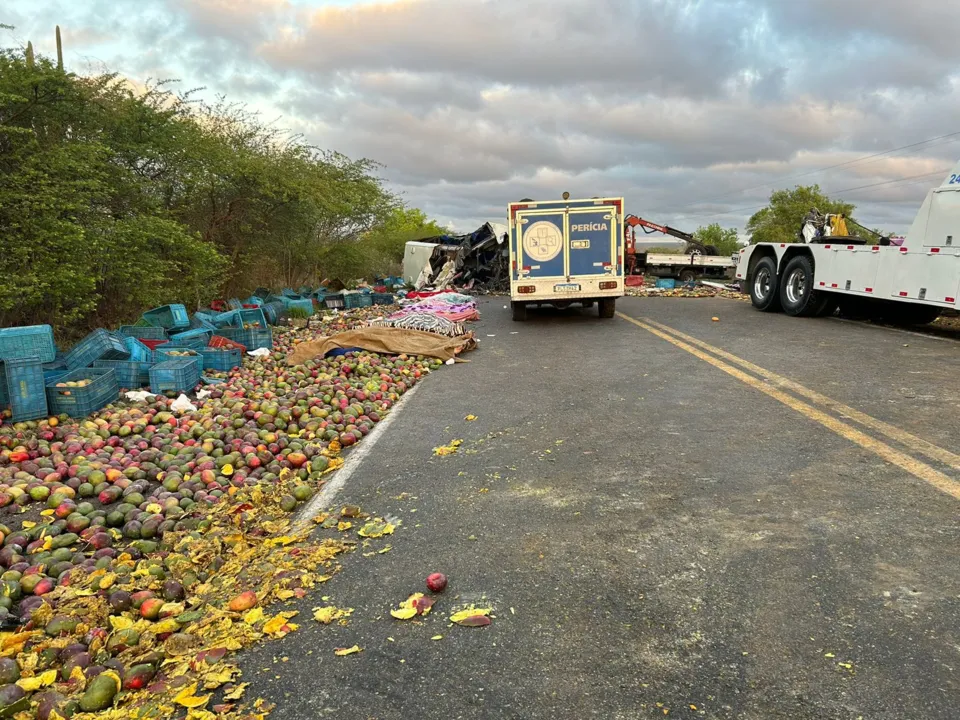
(326, 496)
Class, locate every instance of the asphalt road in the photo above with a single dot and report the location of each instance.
(656, 532)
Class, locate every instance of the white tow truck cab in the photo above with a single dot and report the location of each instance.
(565, 252)
(908, 284)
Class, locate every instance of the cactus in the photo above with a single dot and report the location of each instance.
(59, 51)
(29, 54)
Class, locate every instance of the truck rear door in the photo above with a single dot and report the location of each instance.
(581, 239)
(592, 240)
(541, 240)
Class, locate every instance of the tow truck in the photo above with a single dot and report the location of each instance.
(698, 260)
(909, 283)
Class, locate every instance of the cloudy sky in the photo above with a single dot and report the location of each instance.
(694, 111)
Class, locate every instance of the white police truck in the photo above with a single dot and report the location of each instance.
(566, 252)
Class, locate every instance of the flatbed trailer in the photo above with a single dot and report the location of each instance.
(684, 267)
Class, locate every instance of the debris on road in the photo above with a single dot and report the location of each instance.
(472, 616)
(450, 449)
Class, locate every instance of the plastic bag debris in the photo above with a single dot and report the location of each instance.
(138, 395)
(183, 404)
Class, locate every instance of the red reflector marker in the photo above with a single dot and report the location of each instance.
(869, 289)
(827, 247)
(822, 283)
(933, 250)
(903, 249)
(903, 293)
(833, 284)
(849, 247)
(527, 288)
(608, 285)
(949, 299)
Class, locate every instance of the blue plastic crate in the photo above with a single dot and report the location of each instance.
(143, 332)
(221, 358)
(177, 374)
(28, 341)
(666, 283)
(171, 317)
(357, 300)
(383, 298)
(253, 300)
(234, 304)
(164, 352)
(54, 369)
(203, 321)
(274, 312)
(98, 345)
(248, 316)
(303, 303)
(131, 374)
(197, 343)
(26, 393)
(224, 318)
(138, 351)
(287, 292)
(189, 338)
(250, 339)
(81, 401)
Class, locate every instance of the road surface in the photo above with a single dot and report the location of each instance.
(755, 517)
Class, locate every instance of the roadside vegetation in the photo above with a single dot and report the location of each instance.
(114, 199)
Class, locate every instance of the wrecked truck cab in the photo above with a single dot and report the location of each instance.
(566, 252)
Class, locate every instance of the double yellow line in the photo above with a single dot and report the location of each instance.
(777, 384)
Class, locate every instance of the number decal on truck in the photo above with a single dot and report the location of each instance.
(954, 179)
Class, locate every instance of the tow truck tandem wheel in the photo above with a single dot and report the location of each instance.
(797, 295)
(763, 286)
(607, 306)
(519, 311)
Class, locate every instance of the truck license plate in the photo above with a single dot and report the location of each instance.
(566, 287)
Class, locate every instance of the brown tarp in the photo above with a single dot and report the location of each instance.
(387, 340)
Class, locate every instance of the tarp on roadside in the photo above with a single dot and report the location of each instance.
(390, 341)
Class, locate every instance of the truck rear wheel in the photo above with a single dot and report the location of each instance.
(763, 286)
(797, 295)
(687, 276)
(519, 311)
(607, 306)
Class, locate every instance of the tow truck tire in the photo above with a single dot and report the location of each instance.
(519, 311)
(797, 296)
(764, 293)
(607, 307)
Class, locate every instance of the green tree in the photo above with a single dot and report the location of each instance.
(114, 200)
(781, 220)
(726, 240)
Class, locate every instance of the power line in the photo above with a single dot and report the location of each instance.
(825, 169)
(906, 180)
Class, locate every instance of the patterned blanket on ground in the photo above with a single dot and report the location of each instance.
(427, 322)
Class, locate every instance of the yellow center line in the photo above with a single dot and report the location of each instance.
(891, 431)
(911, 465)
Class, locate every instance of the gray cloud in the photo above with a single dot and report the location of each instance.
(694, 111)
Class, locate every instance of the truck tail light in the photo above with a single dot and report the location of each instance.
(609, 285)
(527, 289)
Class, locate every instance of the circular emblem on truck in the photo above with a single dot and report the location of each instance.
(542, 241)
